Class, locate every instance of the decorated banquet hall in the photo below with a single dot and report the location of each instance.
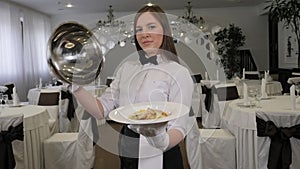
(242, 109)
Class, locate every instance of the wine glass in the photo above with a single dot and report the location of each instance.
(252, 92)
(258, 98)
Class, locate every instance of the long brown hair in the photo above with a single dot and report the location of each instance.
(167, 46)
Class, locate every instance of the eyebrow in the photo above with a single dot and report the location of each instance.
(151, 23)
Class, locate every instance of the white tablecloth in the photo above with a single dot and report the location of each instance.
(241, 121)
(28, 153)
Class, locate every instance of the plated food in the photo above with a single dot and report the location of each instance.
(148, 114)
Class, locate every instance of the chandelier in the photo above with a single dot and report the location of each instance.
(113, 31)
(189, 16)
(111, 22)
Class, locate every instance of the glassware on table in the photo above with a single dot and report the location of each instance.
(258, 98)
(1, 98)
(252, 92)
(5, 99)
(297, 88)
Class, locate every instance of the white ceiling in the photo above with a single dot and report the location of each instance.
(54, 7)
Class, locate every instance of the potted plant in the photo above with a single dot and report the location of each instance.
(288, 12)
(228, 40)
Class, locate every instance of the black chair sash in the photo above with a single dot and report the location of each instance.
(208, 97)
(72, 103)
(6, 152)
(280, 153)
(86, 116)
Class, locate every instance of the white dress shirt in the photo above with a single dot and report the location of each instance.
(134, 83)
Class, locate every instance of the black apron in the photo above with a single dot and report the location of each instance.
(129, 151)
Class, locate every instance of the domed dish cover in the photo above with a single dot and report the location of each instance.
(74, 54)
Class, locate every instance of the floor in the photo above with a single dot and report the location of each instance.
(106, 151)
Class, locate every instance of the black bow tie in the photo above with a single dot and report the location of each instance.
(145, 60)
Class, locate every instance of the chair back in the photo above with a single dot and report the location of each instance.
(9, 91)
(251, 75)
(226, 91)
(49, 98)
(197, 78)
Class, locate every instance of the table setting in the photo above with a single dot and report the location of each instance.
(34, 119)
(241, 121)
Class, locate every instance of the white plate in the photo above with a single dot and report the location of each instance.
(175, 110)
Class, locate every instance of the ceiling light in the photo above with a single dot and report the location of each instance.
(149, 4)
(69, 5)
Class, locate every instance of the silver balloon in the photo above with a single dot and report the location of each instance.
(74, 54)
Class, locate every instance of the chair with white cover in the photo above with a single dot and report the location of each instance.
(71, 150)
(68, 121)
(50, 100)
(217, 148)
(222, 95)
(278, 139)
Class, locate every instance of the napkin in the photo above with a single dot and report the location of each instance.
(267, 76)
(243, 77)
(15, 96)
(150, 157)
(263, 88)
(40, 83)
(245, 93)
(293, 97)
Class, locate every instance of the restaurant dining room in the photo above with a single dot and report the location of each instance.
(149, 84)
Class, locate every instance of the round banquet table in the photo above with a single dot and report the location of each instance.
(241, 122)
(28, 153)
